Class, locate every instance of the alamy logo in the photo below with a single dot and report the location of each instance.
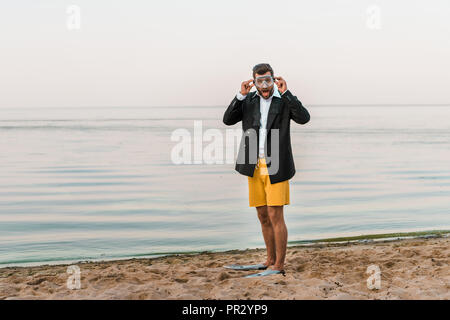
(74, 280)
(73, 21)
(373, 21)
(207, 146)
(374, 280)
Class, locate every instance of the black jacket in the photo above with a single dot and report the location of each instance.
(281, 111)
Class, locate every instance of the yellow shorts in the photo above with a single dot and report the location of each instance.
(261, 192)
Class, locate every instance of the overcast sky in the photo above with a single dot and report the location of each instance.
(170, 53)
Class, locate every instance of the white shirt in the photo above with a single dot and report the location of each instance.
(264, 105)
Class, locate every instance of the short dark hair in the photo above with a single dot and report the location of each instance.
(262, 68)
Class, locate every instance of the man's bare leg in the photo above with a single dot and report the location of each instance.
(268, 234)
(280, 234)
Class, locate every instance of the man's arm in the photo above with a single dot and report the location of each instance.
(233, 114)
(297, 112)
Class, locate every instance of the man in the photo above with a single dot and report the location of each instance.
(265, 116)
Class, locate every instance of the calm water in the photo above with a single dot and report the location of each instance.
(99, 183)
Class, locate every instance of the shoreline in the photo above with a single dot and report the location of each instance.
(411, 268)
(365, 238)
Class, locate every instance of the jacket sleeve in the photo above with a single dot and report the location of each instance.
(297, 112)
(233, 114)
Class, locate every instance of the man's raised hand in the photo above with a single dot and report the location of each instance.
(246, 86)
(281, 84)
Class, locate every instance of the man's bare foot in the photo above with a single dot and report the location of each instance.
(268, 263)
(277, 267)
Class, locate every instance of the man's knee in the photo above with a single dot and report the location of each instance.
(263, 215)
(275, 213)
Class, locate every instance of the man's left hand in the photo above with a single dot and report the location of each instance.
(281, 84)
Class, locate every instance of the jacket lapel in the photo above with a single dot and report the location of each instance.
(274, 109)
(256, 111)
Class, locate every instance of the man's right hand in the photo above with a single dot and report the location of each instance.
(246, 87)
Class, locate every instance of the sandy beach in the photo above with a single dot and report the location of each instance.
(410, 269)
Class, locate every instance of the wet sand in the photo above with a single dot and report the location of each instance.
(410, 269)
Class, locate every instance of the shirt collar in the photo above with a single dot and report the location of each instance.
(275, 93)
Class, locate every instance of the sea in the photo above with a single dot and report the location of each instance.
(104, 183)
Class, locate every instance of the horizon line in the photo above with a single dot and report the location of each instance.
(221, 106)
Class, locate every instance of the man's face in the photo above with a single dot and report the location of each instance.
(264, 92)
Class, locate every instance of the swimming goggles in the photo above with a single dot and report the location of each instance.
(263, 81)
